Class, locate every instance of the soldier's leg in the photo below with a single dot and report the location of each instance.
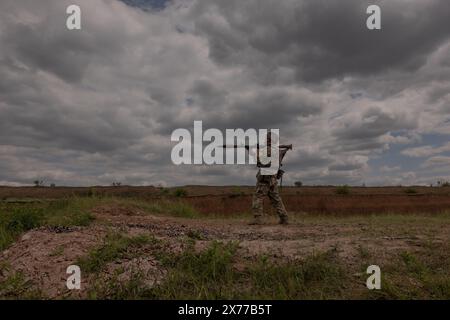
(277, 202)
(258, 201)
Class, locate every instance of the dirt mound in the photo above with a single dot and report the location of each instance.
(43, 256)
(146, 268)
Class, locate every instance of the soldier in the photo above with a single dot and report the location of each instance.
(267, 179)
(267, 183)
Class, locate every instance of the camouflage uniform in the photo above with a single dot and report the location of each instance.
(267, 185)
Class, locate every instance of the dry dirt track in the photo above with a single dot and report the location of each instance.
(44, 254)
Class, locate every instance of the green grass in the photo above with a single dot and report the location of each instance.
(318, 276)
(214, 273)
(420, 274)
(115, 289)
(198, 275)
(70, 212)
(115, 246)
(18, 218)
(15, 286)
(179, 209)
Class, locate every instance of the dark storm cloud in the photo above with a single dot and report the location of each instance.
(272, 108)
(321, 39)
(259, 109)
(43, 44)
(33, 115)
(372, 123)
(59, 57)
(205, 93)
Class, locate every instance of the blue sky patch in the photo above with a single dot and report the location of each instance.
(147, 4)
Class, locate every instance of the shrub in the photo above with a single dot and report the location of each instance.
(344, 190)
(180, 192)
(164, 191)
(236, 192)
(38, 183)
(92, 192)
(16, 221)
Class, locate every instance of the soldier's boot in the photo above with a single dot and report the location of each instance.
(257, 220)
(284, 220)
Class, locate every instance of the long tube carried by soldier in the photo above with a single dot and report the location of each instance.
(267, 181)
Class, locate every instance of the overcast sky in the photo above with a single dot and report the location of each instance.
(98, 105)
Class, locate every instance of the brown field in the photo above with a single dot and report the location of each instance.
(237, 199)
(193, 242)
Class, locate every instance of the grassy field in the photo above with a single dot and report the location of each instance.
(232, 200)
(129, 248)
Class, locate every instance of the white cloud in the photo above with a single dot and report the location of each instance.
(426, 151)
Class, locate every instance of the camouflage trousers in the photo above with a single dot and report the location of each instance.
(267, 185)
